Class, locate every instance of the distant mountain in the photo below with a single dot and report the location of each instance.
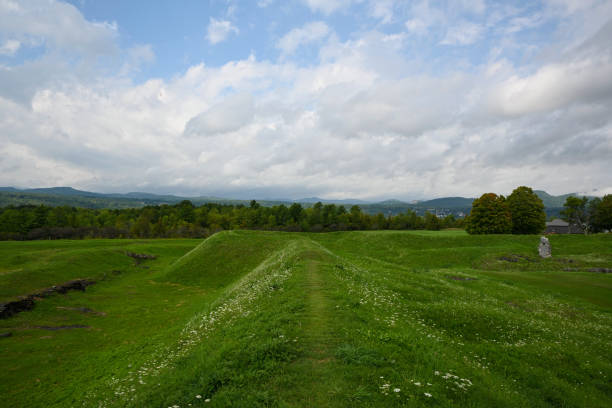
(313, 200)
(447, 202)
(56, 196)
(392, 203)
(551, 201)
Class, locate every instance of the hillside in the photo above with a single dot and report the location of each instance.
(258, 319)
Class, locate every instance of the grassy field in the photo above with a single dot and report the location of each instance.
(349, 319)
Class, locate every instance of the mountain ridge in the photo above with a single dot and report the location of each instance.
(64, 195)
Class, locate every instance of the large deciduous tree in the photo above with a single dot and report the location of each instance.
(600, 210)
(526, 211)
(575, 212)
(490, 215)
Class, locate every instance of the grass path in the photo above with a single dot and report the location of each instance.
(319, 337)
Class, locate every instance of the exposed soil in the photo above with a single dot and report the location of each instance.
(27, 302)
(460, 278)
(517, 258)
(596, 270)
(601, 270)
(72, 326)
(140, 257)
(82, 310)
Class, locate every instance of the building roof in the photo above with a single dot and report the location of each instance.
(557, 223)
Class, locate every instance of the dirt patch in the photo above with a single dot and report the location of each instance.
(601, 270)
(11, 308)
(53, 328)
(517, 258)
(140, 257)
(513, 304)
(460, 278)
(27, 302)
(517, 305)
(82, 310)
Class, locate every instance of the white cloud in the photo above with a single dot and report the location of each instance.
(364, 120)
(554, 86)
(571, 6)
(310, 32)
(416, 26)
(32, 20)
(327, 6)
(424, 17)
(382, 10)
(464, 33)
(138, 56)
(472, 6)
(68, 46)
(9, 47)
(264, 3)
(219, 30)
(230, 115)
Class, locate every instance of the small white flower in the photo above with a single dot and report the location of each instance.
(198, 396)
(418, 384)
(428, 395)
(207, 400)
(396, 390)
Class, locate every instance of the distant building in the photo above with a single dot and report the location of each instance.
(558, 226)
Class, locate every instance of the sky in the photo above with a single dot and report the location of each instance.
(296, 98)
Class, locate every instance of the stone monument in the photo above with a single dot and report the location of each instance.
(544, 248)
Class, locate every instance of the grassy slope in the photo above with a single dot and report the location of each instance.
(343, 319)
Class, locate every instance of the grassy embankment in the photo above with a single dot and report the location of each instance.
(291, 320)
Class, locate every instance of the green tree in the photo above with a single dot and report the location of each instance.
(575, 212)
(355, 217)
(186, 211)
(431, 221)
(449, 221)
(527, 211)
(490, 215)
(601, 213)
(296, 212)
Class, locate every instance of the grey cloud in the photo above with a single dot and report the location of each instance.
(406, 107)
(231, 114)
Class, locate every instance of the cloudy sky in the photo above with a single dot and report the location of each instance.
(366, 99)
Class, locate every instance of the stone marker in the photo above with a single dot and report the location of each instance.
(544, 248)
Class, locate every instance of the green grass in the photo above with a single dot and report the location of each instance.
(249, 319)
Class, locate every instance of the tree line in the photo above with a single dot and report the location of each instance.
(594, 215)
(185, 220)
(522, 212)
